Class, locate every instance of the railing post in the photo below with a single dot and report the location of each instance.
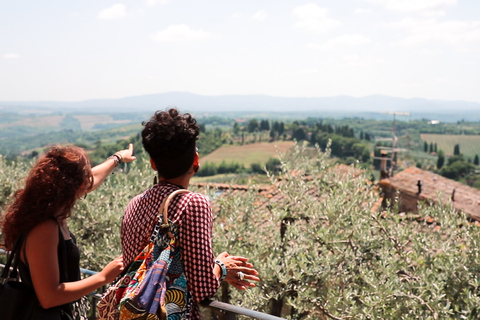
(225, 297)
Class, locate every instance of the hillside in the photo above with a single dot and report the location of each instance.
(339, 106)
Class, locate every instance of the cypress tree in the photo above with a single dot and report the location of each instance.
(456, 150)
(441, 159)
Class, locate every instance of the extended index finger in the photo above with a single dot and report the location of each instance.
(130, 147)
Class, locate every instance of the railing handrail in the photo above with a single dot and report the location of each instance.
(226, 307)
(238, 310)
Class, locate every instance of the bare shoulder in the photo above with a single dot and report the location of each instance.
(41, 242)
(44, 231)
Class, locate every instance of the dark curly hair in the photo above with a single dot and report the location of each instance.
(51, 189)
(170, 138)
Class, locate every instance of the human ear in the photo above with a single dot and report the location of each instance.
(153, 165)
(196, 163)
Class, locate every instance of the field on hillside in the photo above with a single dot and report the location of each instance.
(88, 122)
(469, 144)
(36, 121)
(248, 153)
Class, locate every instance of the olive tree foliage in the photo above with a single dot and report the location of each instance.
(323, 254)
(11, 175)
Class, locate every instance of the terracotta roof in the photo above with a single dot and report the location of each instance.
(466, 199)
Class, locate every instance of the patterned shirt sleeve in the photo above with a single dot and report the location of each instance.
(196, 242)
(138, 223)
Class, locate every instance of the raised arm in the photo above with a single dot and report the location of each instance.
(102, 171)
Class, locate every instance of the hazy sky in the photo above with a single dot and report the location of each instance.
(67, 50)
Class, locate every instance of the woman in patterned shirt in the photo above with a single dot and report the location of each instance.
(170, 137)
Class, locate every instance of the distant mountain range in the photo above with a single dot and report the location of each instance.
(339, 106)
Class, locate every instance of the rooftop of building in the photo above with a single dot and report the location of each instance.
(435, 189)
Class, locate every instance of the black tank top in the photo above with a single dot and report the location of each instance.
(68, 263)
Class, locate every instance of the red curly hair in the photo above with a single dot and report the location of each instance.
(51, 189)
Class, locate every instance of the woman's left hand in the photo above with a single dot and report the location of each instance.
(127, 154)
(235, 266)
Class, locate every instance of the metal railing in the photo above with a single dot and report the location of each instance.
(229, 311)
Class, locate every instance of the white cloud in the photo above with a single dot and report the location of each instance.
(354, 60)
(11, 56)
(351, 58)
(315, 46)
(414, 5)
(350, 40)
(117, 11)
(152, 3)
(434, 14)
(449, 81)
(346, 40)
(260, 15)
(180, 32)
(430, 52)
(434, 31)
(314, 18)
(362, 11)
(307, 71)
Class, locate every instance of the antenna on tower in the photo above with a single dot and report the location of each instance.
(393, 150)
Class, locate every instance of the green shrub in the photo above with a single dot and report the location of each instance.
(322, 253)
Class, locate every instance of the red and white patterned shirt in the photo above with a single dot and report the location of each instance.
(193, 214)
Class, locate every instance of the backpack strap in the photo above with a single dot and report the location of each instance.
(163, 211)
(9, 273)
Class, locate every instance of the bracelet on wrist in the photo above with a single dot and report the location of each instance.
(120, 157)
(223, 268)
(116, 158)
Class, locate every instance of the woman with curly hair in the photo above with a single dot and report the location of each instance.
(170, 138)
(38, 216)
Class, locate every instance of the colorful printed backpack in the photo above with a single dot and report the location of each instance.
(154, 286)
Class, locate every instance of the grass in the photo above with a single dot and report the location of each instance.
(247, 154)
(469, 144)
